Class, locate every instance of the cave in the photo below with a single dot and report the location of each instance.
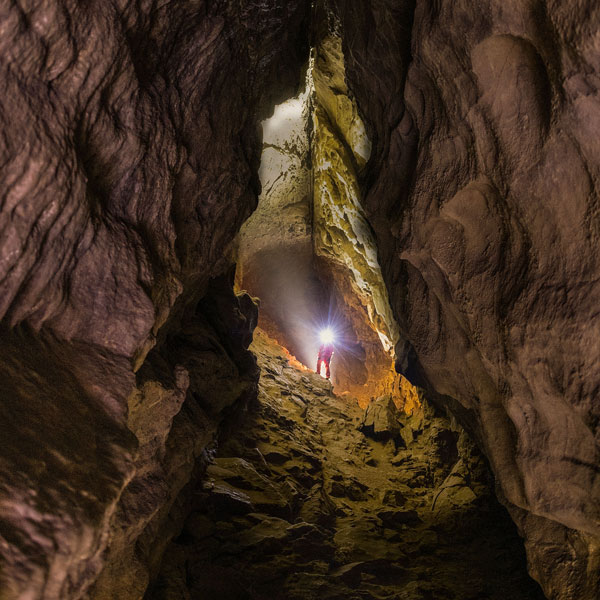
(191, 191)
(307, 253)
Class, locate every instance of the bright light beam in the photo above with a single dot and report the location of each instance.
(327, 336)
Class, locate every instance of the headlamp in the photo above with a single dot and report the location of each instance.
(327, 336)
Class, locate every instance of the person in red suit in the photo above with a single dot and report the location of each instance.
(325, 352)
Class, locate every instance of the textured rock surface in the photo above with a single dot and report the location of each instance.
(381, 421)
(307, 251)
(95, 483)
(482, 191)
(300, 504)
(341, 149)
(274, 247)
(128, 161)
(344, 244)
(183, 390)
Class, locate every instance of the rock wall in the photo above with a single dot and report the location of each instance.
(344, 245)
(199, 374)
(274, 255)
(128, 161)
(482, 191)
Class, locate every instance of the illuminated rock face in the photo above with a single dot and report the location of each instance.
(308, 251)
(274, 247)
(482, 191)
(129, 153)
(344, 245)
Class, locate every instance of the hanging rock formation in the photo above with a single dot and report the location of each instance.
(343, 237)
(482, 191)
(344, 245)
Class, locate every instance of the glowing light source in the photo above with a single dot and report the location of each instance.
(327, 336)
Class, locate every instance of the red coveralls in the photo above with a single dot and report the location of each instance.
(325, 354)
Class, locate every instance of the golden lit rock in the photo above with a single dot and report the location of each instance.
(333, 96)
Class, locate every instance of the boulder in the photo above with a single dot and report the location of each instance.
(381, 421)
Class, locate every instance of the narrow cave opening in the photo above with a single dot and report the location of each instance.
(307, 253)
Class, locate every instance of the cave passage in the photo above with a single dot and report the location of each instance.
(430, 190)
(275, 258)
(307, 252)
(311, 496)
(360, 489)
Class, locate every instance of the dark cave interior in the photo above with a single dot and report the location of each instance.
(191, 191)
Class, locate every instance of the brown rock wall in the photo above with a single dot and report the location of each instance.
(128, 161)
(183, 390)
(129, 150)
(482, 191)
(122, 131)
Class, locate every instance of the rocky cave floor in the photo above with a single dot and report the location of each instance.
(314, 498)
